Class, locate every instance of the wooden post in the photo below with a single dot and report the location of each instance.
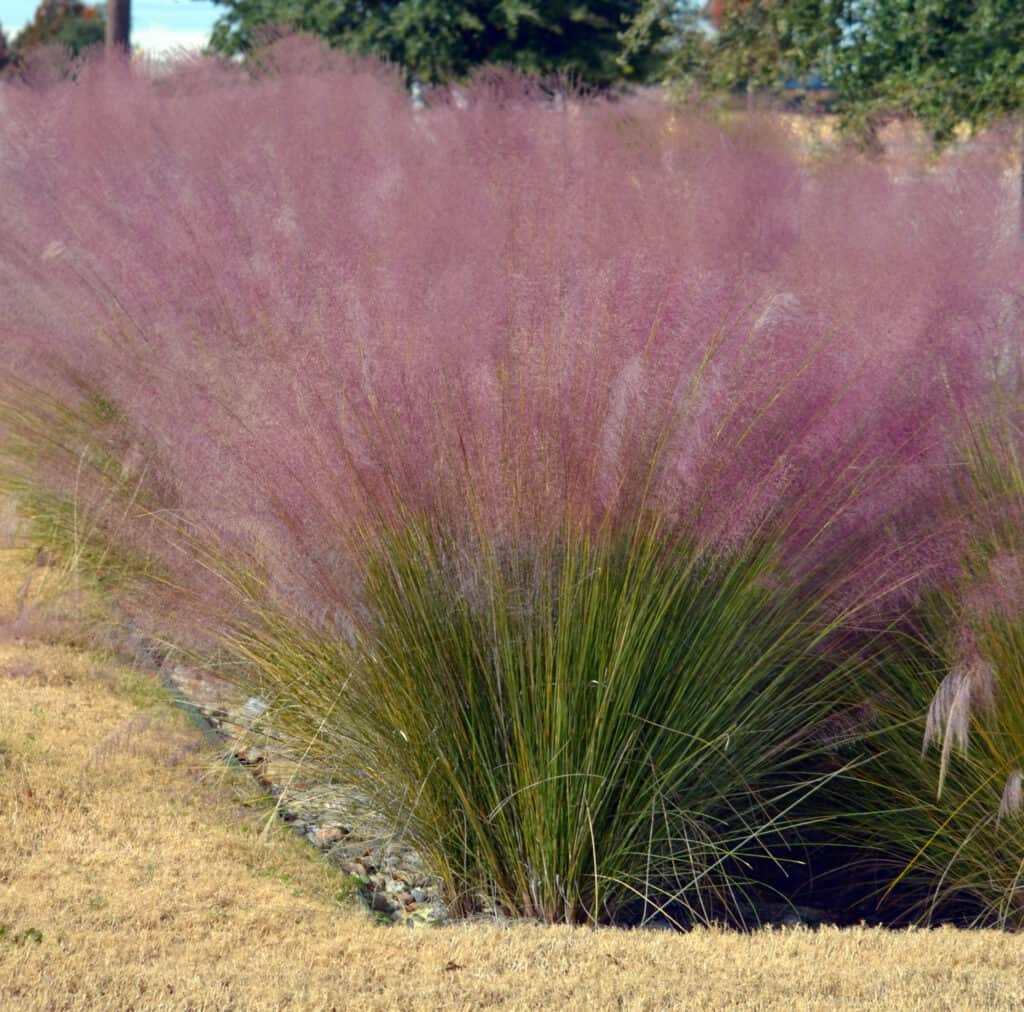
(119, 23)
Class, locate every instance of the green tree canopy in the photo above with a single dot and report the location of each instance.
(944, 61)
(436, 40)
(69, 23)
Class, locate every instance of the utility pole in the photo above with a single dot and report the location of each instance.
(119, 23)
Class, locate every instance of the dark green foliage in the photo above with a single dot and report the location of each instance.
(756, 46)
(67, 23)
(437, 40)
(943, 61)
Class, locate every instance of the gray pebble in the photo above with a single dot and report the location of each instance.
(382, 903)
(254, 708)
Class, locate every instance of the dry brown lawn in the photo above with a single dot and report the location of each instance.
(134, 874)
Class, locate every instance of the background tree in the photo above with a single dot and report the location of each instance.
(436, 40)
(68, 23)
(942, 61)
(739, 46)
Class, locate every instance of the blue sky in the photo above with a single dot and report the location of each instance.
(157, 25)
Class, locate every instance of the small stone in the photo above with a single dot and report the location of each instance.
(251, 756)
(382, 903)
(394, 885)
(406, 899)
(659, 924)
(254, 708)
(418, 895)
(326, 836)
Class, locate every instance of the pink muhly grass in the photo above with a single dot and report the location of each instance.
(260, 327)
(316, 308)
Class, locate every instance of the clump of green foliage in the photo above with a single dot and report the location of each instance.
(602, 724)
(950, 699)
(81, 524)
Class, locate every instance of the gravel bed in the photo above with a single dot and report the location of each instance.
(392, 881)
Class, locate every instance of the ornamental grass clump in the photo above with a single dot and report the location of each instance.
(87, 527)
(951, 708)
(533, 458)
(606, 726)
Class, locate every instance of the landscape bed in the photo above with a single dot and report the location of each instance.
(628, 507)
(135, 872)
